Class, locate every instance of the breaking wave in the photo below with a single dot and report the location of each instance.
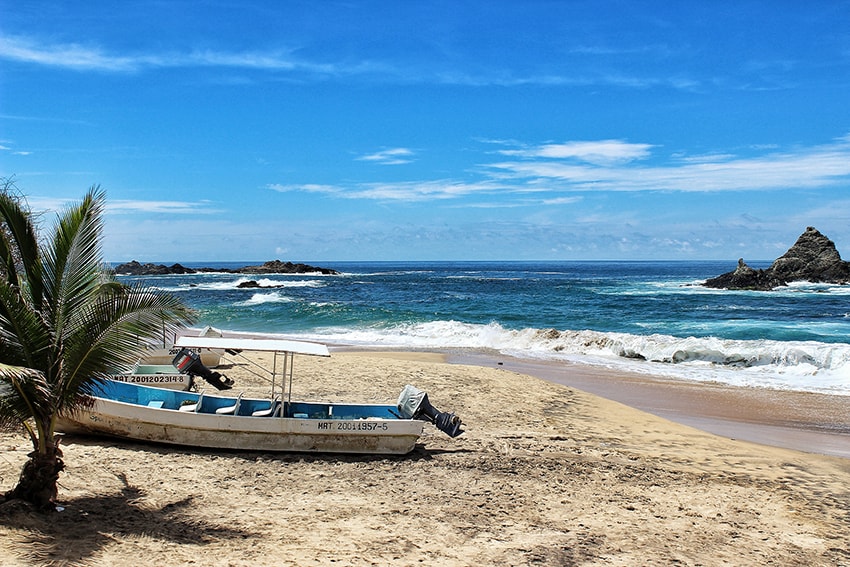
(262, 298)
(268, 283)
(795, 365)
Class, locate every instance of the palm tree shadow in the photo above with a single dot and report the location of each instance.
(88, 524)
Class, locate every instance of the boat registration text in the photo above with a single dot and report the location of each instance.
(351, 426)
(150, 378)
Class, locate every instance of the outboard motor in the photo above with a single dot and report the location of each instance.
(189, 362)
(413, 404)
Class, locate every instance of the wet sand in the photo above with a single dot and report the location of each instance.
(811, 422)
(803, 421)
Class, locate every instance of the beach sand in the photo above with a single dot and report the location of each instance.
(545, 474)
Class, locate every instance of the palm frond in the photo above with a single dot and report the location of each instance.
(107, 334)
(24, 336)
(72, 260)
(22, 391)
(23, 240)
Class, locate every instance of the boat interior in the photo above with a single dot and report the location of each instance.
(200, 402)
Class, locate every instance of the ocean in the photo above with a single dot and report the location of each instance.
(645, 317)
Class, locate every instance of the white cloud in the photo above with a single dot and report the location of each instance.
(410, 191)
(73, 56)
(394, 156)
(804, 168)
(304, 188)
(160, 207)
(553, 171)
(92, 58)
(119, 206)
(601, 152)
(88, 57)
(416, 190)
(562, 201)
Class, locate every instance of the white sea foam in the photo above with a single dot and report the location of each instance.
(794, 365)
(234, 284)
(261, 298)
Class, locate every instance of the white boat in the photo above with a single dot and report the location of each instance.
(164, 353)
(132, 411)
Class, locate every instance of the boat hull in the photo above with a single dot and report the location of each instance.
(155, 416)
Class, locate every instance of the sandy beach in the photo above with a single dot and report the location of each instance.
(546, 474)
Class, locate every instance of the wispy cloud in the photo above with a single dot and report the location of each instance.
(409, 191)
(802, 168)
(80, 57)
(304, 188)
(127, 206)
(4, 148)
(394, 156)
(602, 152)
(162, 207)
(95, 58)
(72, 56)
(552, 172)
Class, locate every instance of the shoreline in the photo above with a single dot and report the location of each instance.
(802, 421)
(790, 419)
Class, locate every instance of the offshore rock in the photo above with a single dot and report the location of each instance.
(745, 277)
(253, 284)
(134, 268)
(278, 267)
(813, 258)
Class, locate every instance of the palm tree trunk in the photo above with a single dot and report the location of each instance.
(39, 477)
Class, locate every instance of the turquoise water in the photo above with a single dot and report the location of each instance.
(644, 316)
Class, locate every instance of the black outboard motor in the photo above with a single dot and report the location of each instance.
(189, 362)
(413, 404)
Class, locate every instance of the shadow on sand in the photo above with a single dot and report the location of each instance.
(82, 526)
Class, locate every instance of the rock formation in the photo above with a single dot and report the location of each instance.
(134, 268)
(813, 258)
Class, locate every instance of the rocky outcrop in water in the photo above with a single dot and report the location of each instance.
(134, 268)
(813, 258)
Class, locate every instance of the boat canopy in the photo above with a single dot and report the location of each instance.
(265, 345)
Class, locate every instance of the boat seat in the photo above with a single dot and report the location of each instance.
(196, 407)
(231, 410)
(155, 404)
(273, 410)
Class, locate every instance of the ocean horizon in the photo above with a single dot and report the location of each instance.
(650, 317)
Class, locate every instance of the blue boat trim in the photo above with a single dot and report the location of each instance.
(139, 395)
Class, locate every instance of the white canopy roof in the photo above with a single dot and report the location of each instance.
(267, 345)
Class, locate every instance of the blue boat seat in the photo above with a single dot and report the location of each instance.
(273, 410)
(196, 407)
(155, 404)
(231, 410)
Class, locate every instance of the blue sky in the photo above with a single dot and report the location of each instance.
(331, 131)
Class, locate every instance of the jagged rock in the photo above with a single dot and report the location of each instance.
(278, 267)
(134, 268)
(812, 258)
(179, 269)
(745, 277)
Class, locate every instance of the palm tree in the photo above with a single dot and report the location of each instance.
(65, 324)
